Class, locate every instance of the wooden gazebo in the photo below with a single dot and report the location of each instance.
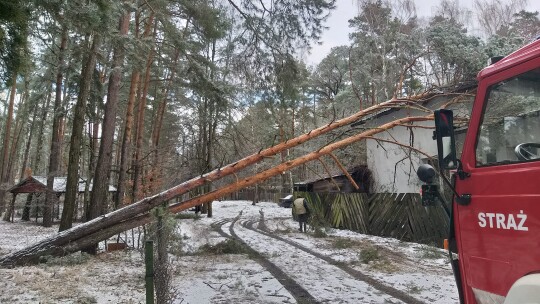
(37, 185)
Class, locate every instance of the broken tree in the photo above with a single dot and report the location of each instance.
(137, 214)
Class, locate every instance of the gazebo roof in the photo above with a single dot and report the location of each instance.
(37, 184)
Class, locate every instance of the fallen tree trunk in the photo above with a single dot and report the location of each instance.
(63, 238)
(52, 246)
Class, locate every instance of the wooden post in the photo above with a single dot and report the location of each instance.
(13, 207)
(149, 262)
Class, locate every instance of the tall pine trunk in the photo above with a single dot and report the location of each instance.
(125, 150)
(13, 160)
(72, 185)
(35, 165)
(4, 174)
(141, 111)
(158, 121)
(102, 174)
(56, 149)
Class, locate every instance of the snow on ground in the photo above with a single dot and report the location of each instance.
(118, 277)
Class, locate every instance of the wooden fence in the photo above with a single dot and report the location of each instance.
(400, 216)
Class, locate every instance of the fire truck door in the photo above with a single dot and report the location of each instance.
(499, 231)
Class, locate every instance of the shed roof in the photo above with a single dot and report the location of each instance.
(352, 171)
(430, 102)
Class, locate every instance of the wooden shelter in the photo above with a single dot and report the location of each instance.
(35, 185)
(338, 183)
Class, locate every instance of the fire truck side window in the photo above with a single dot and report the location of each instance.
(510, 129)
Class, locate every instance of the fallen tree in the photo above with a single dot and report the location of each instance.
(138, 214)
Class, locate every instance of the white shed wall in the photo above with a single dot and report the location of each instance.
(393, 171)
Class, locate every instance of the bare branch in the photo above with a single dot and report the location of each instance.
(329, 174)
(349, 177)
(400, 144)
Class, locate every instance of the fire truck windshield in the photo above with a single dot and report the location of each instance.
(510, 129)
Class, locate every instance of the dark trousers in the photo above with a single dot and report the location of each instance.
(302, 220)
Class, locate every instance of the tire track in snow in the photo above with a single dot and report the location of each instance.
(324, 281)
(217, 227)
(402, 260)
(395, 293)
(298, 292)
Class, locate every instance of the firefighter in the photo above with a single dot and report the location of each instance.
(300, 208)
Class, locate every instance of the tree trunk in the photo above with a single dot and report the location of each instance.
(101, 179)
(28, 144)
(136, 214)
(4, 176)
(27, 206)
(56, 149)
(158, 121)
(12, 159)
(72, 184)
(162, 271)
(128, 217)
(139, 131)
(93, 134)
(125, 153)
(39, 145)
(113, 91)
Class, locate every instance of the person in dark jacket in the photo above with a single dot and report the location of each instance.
(300, 208)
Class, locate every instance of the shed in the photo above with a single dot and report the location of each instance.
(37, 185)
(339, 183)
(394, 166)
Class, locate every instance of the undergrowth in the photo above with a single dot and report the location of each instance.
(229, 246)
(185, 216)
(431, 252)
(375, 258)
(77, 258)
(343, 243)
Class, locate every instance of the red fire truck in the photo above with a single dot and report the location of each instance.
(494, 240)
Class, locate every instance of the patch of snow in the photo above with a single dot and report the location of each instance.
(421, 271)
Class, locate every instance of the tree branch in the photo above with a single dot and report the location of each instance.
(349, 177)
(329, 174)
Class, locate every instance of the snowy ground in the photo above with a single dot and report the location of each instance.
(290, 267)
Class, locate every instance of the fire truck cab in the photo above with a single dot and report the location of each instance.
(494, 240)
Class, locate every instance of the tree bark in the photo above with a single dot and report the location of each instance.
(56, 149)
(125, 154)
(22, 117)
(126, 140)
(98, 197)
(158, 121)
(4, 174)
(72, 185)
(136, 214)
(162, 271)
(139, 130)
(26, 211)
(113, 92)
(102, 174)
(39, 146)
(28, 143)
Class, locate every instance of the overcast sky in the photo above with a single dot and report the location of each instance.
(338, 32)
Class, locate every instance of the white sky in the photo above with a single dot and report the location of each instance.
(338, 23)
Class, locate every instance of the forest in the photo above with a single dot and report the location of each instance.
(146, 94)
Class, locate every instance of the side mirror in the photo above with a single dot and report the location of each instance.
(446, 141)
(430, 191)
(426, 173)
